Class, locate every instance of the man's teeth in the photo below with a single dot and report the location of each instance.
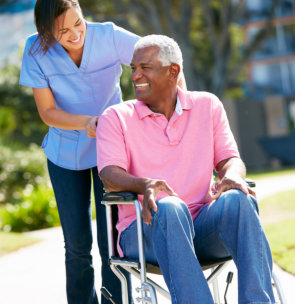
(142, 85)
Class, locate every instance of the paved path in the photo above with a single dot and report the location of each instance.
(35, 275)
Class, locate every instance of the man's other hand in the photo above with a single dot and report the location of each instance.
(152, 188)
(228, 183)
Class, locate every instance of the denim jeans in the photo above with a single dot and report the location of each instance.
(228, 226)
(72, 191)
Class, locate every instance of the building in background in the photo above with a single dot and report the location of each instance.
(265, 119)
(271, 70)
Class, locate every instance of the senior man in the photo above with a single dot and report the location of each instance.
(164, 146)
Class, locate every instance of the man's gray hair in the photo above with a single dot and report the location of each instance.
(169, 49)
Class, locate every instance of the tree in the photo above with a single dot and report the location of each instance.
(206, 30)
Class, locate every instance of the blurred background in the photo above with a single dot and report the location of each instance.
(241, 50)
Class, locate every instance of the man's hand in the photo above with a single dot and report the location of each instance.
(152, 188)
(231, 173)
(228, 183)
(91, 126)
(117, 179)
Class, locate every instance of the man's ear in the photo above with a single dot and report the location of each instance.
(174, 70)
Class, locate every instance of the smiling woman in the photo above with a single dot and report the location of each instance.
(74, 69)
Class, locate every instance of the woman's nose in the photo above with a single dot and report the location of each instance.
(74, 34)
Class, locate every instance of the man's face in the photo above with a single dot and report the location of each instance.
(149, 77)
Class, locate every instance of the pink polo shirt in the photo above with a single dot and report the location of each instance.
(182, 151)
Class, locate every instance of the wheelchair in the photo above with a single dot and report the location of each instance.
(148, 288)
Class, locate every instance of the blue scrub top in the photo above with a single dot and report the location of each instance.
(87, 90)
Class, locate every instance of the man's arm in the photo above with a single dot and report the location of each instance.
(116, 179)
(231, 173)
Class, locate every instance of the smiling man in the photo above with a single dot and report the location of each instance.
(164, 146)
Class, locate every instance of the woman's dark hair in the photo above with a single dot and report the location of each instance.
(46, 11)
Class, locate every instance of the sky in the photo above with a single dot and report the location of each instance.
(16, 24)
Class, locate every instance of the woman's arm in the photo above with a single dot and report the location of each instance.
(57, 118)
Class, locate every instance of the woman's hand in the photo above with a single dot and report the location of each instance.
(91, 126)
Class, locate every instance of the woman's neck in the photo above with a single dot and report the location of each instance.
(76, 56)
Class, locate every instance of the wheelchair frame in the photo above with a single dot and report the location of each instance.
(139, 268)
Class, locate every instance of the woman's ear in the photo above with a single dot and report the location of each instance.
(174, 70)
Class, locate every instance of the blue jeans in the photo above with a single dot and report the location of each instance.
(72, 191)
(227, 227)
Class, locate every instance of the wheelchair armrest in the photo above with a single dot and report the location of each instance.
(250, 182)
(119, 197)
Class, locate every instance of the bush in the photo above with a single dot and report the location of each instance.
(19, 118)
(21, 171)
(26, 198)
(37, 210)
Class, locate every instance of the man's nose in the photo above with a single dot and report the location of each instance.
(136, 74)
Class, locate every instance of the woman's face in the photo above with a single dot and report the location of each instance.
(70, 29)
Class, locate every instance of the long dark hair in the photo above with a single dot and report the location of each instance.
(46, 11)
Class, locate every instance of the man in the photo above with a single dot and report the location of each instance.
(164, 146)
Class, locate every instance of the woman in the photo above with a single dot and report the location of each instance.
(74, 69)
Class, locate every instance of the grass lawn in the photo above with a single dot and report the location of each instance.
(265, 173)
(11, 241)
(278, 217)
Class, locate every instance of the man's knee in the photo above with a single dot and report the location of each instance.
(171, 205)
(237, 203)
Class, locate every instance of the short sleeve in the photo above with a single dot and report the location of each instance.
(31, 74)
(224, 143)
(124, 43)
(111, 149)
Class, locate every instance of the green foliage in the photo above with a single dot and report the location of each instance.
(37, 210)
(19, 118)
(7, 120)
(126, 84)
(20, 171)
(26, 199)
